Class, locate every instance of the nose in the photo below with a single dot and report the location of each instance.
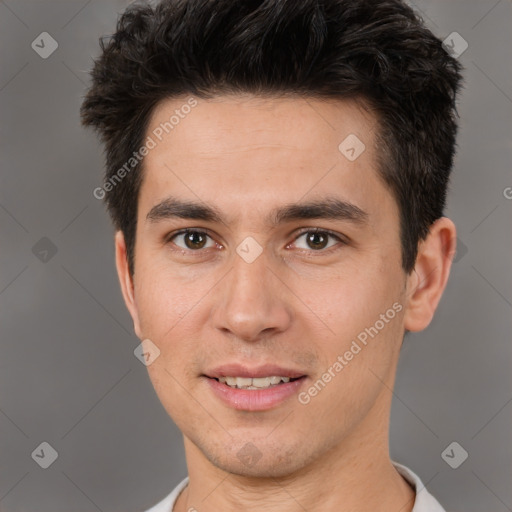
(252, 302)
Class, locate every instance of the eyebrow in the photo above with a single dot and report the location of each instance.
(326, 208)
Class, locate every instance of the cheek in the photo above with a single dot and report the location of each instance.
(172, 315)
(356, 360)
(163, 300)
(352, 299)
(363, 320)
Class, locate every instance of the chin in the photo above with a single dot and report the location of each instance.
(245, 459)
(269, 469)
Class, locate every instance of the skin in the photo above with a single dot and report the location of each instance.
(296, 305)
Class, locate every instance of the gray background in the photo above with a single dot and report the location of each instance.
(68, 375)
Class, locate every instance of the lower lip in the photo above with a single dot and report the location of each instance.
(255, 399)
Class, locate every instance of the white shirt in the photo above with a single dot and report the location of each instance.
(424, 501)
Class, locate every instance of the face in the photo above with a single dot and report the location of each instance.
(289, 264)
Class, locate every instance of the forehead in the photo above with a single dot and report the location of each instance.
(245, 150)
(225, 124)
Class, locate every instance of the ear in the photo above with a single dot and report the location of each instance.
(426, 283)
(125, 279)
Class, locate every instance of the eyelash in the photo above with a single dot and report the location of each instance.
(170, 237)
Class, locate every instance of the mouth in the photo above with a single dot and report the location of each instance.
(256, 389)
(255, 383)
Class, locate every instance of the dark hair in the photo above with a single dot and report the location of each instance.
(378, 51)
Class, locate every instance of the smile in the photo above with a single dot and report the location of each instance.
(254, 394)
(253, 383)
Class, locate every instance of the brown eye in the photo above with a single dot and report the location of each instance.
(192, 240)
(317, 240)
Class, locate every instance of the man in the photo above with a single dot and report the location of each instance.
(277, 174)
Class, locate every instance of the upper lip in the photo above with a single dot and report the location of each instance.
(238, 370)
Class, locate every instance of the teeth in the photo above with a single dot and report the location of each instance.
(256, 383)
(242, 382)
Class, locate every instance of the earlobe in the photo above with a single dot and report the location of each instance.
(126, 282)
(426, 283)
